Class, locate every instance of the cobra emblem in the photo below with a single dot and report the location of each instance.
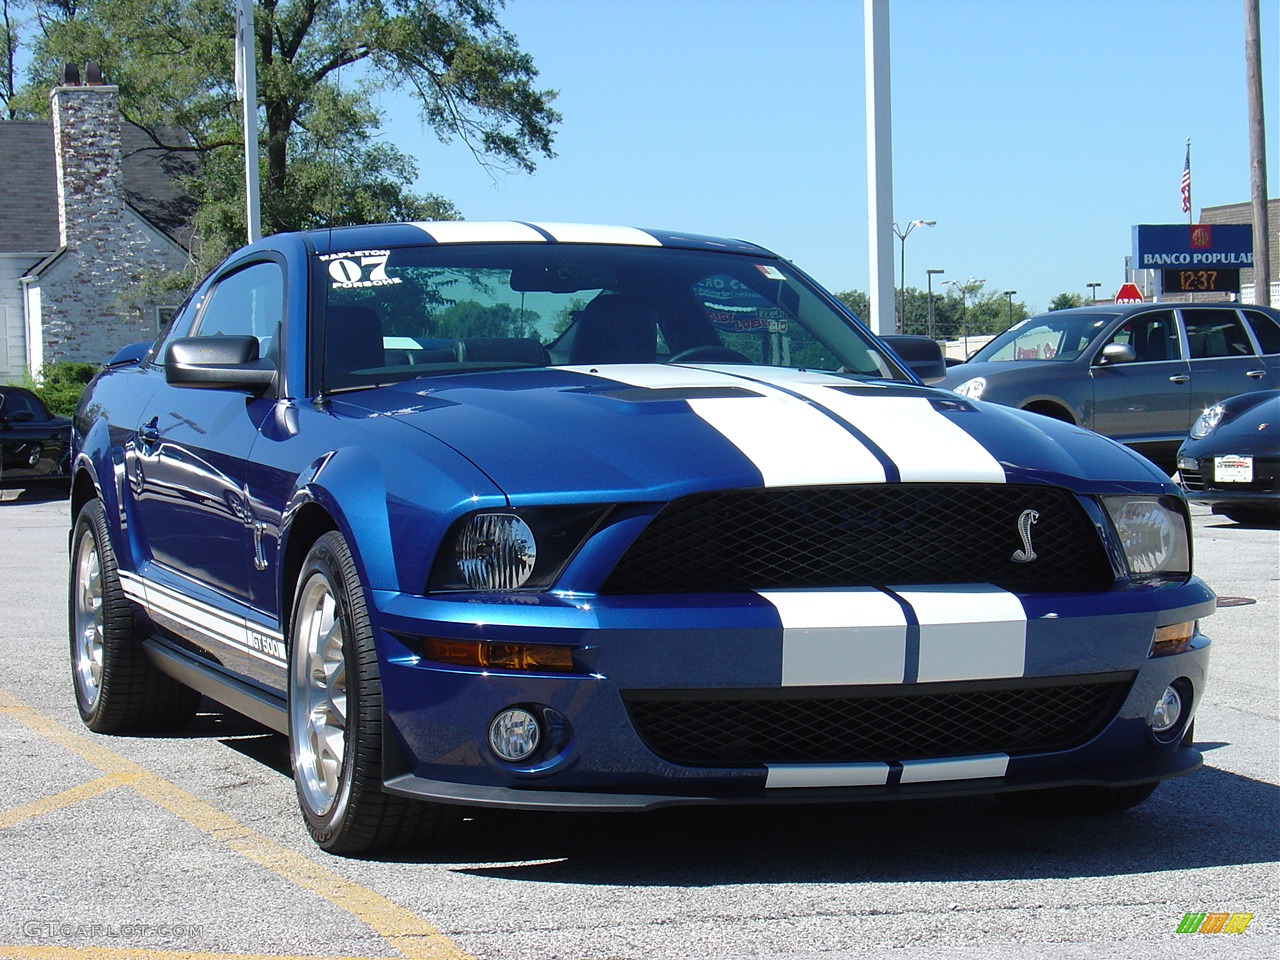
(1025, 521)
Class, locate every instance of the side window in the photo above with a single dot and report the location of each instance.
(24, 403)
(249, 302)
(1216, 333)
(1265, 330)
(1153, 336)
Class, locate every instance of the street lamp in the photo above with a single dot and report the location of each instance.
(1009, 294)
(1093, 290)
(964, 307)
(929, 275)
(902, 235)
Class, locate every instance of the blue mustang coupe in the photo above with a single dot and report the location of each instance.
(546, 515)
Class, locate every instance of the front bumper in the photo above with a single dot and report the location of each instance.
(732, 645)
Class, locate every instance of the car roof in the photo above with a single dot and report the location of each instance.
(1124, 309)
(515, 231)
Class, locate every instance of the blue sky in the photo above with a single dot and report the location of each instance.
(1035, 133)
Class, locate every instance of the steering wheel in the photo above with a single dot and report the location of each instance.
(709, 353)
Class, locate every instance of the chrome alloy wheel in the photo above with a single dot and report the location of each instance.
(318, 695)
(89, 619)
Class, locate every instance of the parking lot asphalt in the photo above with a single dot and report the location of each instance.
(190, 845)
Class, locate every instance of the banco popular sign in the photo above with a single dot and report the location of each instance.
(1200, 245)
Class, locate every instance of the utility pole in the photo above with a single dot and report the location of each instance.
(879, 166)
(1257, 157)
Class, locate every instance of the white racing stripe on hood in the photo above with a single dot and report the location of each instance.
(924, 444)
(840, 636)
(968, 632)
(789, 441)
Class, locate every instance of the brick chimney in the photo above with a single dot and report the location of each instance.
(86, 140)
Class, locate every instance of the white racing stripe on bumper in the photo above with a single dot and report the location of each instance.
(789, 441)
(840, 636)
(783, 775)
(955, 768)
(975, 632)
(924, 444)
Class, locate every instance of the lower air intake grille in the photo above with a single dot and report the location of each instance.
(715, 728)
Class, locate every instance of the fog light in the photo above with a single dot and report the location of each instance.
(514, 735)
(1168, 712)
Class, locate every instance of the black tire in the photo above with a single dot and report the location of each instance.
(1078, 800)
(335, 706)
(1247, 516)
(117, 688)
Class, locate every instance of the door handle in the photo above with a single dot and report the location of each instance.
(149, 433)
(1256, 374)
(1179, 378)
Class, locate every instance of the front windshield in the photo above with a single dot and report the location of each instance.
(406, 312)
(1060, 335)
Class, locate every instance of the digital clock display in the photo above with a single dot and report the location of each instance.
(1202, 281)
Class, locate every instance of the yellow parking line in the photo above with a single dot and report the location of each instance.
(67, 798)
(405, 931)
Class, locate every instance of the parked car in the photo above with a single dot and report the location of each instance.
(1232, 457)
(1140, 374)
(599, 518)
(34, 445)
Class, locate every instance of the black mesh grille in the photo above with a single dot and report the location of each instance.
(708, 728)
(863, 535)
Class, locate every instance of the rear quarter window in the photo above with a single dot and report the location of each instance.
(1265, 330)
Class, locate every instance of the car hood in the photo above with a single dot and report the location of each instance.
(655, 431)
(1002, 370)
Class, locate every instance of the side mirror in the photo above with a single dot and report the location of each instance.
(1117, 353)
(218, 363)
(921, 355)
(23, 416)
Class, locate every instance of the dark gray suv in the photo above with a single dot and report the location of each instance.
(1139, 374)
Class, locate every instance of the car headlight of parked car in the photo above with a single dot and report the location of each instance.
(1153, 534)
(972, 388)
(1207, 422)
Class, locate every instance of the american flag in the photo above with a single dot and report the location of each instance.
(1186, 182)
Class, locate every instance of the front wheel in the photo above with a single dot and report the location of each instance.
(1078, 800)
(335, 715)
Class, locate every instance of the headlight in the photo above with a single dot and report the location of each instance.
(511, 549)
(1207, 422)
(1153, 533)
(496, 551)
(972, 388)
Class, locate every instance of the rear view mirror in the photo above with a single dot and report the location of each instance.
(1118, 353)
(921, 355)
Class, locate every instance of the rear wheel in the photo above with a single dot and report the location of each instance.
(1078, 800)
(335, 715)
(117, 688)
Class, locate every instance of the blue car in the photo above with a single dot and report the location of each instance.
(538, 515)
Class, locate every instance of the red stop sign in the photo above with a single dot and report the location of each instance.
(1129, 293)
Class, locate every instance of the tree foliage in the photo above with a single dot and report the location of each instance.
(320, 66)
(978, 313)
(1065, 301)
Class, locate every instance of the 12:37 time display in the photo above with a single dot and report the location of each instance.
(1202, 281)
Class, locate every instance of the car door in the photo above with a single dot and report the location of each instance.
(33, 444)
(1147, 399)
(188, 472)
(1224, 358)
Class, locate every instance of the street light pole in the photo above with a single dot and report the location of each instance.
(902, 235)
(929, 275)
(964, 307)
(1093, 291)
(1009, 294)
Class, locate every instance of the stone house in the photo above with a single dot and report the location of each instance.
(89, 208)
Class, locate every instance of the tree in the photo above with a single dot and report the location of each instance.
(1065, 301)
(319, 64)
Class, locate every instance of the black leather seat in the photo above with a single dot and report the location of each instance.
(616, 328)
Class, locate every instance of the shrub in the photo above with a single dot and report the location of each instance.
(61, 384)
